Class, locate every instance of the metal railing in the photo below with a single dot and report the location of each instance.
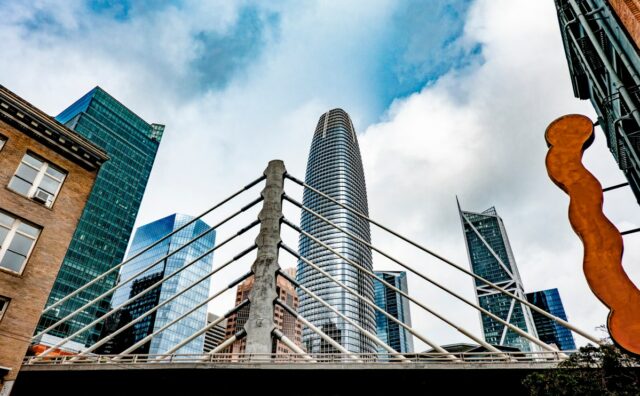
(300, 358)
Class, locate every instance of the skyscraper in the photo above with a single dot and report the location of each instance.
(397, 306)
(335, 168)
(285, 322)
(145, 236)
(101, 239)
(488, 226)
(215, 335)
(549, 330)
(601, 40)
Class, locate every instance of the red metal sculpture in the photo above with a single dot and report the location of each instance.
(568, 137)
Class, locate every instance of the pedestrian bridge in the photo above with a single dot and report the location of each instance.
(301, 371)
(288, 374)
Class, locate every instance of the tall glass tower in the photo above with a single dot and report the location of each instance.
(548, 330)
(145, 236)
(335, 168)
(395, 305)
(104, 229)
(483, 231)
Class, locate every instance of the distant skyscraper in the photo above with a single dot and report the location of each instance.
(101, 239)
(548, 330)
(397, 306)
(284, 321)
(145, 236)
(215, 335)
(335, 168)
(490, 226)
(601, 40)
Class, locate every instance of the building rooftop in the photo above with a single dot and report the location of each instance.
(34, 122)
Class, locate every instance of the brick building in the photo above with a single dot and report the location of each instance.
(46, 174)
(285, 322)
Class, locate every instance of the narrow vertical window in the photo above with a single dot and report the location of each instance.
(17, 239)
(4, 303)
(37, 179)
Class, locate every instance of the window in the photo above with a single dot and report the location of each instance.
(4, 303)
(37, 179)
(16, 242)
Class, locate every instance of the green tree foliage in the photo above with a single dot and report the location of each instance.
(604, 370)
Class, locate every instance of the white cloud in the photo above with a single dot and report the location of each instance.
(480, 135)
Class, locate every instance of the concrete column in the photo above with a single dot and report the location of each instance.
(261, 323)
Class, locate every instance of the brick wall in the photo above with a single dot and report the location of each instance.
(29, 291)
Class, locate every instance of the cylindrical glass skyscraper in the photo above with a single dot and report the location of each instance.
(335, 168)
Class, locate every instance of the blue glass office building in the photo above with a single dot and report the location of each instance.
(395, 305)
(548, 330)
(132, 286)
(335, 168)
(103, 232)
(490, 227)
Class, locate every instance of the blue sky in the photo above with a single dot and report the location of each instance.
(380, 51)
(448, 98)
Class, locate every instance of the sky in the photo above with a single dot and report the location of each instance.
(448, 99)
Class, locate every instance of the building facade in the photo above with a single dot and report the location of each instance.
(394, 335)
(335, 168)
(485, 235)
(103, 232)
(133, 284)
(549, 330)
(284, 321)
(215, 335)
(46, 173)
(601, 40)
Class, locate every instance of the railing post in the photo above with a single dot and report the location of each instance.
(260, 323)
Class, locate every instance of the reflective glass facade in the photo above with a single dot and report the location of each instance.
(104, 229)
(397, 306)
(335, 168)
(490, 226)
(548, 330)
(145, 236)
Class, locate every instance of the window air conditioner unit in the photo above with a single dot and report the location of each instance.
(42, 196)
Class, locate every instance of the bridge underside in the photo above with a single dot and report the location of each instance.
(285, 379)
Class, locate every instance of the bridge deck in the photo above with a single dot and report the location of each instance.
(283, 378)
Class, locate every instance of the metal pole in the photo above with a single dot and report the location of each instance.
(114, 310)
(617, 84)
(260, 323)
(286, 341)
(240, 334)
(444, 260)
(372, 336)
(313, 328)
(616, 186)
(157, 307)
(365, 300)
(184, 315)
(119, 285)
(204, 329)
(459, 297)
(390, 286)
(614, 42)
(156, 243)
